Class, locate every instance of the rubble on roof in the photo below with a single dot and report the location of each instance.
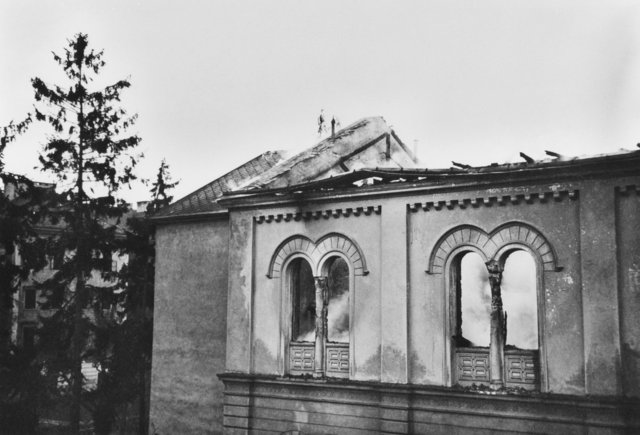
(377, 176)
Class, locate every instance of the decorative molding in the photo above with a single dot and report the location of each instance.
(528, 198)
(337, 359)
(472, 366)
(628, 190)
(491, 244)
(521, 367)
(302, 358)
(320, 214)
(315, 251)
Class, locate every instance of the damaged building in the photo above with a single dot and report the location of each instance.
(346, 290)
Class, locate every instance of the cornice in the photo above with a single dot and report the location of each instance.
(488, 201)
(319, 214)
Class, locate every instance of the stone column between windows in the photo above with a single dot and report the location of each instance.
(498, 326)
(322, 294)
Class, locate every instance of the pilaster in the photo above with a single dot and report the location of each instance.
(599, 289)
(393, 293)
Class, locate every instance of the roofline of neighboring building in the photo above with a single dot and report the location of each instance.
(161, 216)
(404, 181)
(190, 217)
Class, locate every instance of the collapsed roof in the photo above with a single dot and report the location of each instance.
(367, 152)
(369, 141)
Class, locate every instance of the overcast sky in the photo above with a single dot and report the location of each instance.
(216, 83)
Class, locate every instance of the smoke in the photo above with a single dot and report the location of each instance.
(338, 318)
(518, 298)
(475, 300)
(520, 301)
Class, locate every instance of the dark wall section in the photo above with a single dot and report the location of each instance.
(628, 235)
(261, 406)
(189, 327)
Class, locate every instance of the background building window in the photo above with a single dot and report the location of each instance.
(303, 295)
(30, 302)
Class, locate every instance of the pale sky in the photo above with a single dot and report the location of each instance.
(216, 83)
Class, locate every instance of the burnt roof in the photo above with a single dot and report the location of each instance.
(379, 177)
(271, 171)
(328, 154)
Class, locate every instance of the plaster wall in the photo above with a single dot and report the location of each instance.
(559, 311)
(189, 338)
(269, 351)
(401, 314)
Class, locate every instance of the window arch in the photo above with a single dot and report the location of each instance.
(317, 251)
(493, 244)
(504, 291)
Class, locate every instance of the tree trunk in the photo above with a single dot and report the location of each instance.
(77, 340)
(77, 344)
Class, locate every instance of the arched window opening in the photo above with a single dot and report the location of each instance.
(495, 338)
(319, 343)
(338, 307)
(473, 301)
(304, 303)
(520, 300)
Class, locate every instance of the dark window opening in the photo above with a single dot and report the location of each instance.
(55, 257)
(338, 308)
(303, 295)
(495, 321)
(105, 260)
(30, 302)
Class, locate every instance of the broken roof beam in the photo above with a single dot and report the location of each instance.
(527, 158)
(461, 165)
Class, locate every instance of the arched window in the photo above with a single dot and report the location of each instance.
(301, 288)
(473, 300)
(499, 324)
(505, 294)
(318, 279)
(338, 309)
(472, 305)
(320, 316)
(520, 300)
(338, 277)
(303, 296)
(512, 337)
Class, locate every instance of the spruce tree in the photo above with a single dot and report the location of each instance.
(91, 154)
